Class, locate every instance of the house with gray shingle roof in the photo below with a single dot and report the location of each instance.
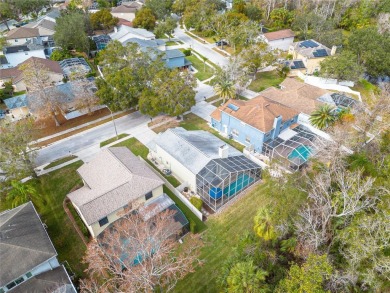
(115, 181)
(28, 258)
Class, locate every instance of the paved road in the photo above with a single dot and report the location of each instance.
(203, 49)
(87, 143)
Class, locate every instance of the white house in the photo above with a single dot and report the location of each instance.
(23, 35)
(115, 181)
(28, 258)
(124, 33)
(18, 54)
(281, 40)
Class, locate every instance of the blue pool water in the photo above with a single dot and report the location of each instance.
(302, 152)
(241, 182)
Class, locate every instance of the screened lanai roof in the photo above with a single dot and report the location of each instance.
(338, 99)
(74, 65)
(101, 41)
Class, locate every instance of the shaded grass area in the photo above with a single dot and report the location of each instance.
(222, 234)
(265, 80)
(138, 149)
(108, 141)
(60, 161)
(200, 226)
(365, 88)
(52, 189)
(204, 71)
(78, 220)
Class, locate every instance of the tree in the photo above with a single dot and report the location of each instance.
(171, 93)
(308, 278)
(264, 227)
(21, 193)
(16, 159)
(60, 54)
(145, 19)
(160, 8)
(70, 32)
(244, 277)
(164, 27)
(86, 99)
(323, 117)
(138, 254)
(281, 18)
(256, 57)
(3, 41)
(225, 89)
(343, 66)
(103, 20)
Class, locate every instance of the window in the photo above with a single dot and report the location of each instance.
(20, 280)
(11, 285)
(248, 139)
(103, 221)
(28, 275)
(149, 195)
(16, 41)
(235, 132)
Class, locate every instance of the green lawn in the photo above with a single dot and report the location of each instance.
(52, 189)
(60, 161)
(204, 71)
(365, 88)
(265, 80)
(194, 122)
(171, 43)
(138, 149)
(222, 234)
(108, 141)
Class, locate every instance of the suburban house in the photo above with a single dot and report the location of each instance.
(253, 122)
(18, 54)
(16, 75)
(45, 27)
(124, 32)
(281, 40)
(17, 107)
(295, 94)
(75, 66)
(204, 163)
(173, 58)
(28, 258)
(126, 11)
(268, 129)
(23, 35)
(311, 53)
(115, 181)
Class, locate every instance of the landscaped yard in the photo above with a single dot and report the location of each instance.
(52, 189)
(265, 80)
(204, 71)
(138, 149)
(221, 236)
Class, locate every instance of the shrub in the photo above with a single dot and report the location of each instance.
(192, 226)
(187, 52)
(59, 55)
(197, 202)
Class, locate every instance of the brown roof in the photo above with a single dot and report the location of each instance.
(296, 94)
(258, 112)
(22, 32)
(282, 34)
(112, 179)
(124, 22)
(130, 8)
(16, 74)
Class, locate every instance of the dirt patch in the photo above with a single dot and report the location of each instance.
(159, 120)
(170, 124)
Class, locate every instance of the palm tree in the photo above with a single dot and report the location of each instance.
(225, 89)
(21, 193)
(323, 117)
(263, 224)
(245, 277)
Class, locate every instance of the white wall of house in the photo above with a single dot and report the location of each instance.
(178, 169)
(16, 58)
(22, 41)
(281, 44)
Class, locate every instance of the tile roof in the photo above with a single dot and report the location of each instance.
(193, 149)
(124, 22)
(24, 243)
(258, 112)
(53, 281)
(127, 8)
(113, 178)
(282, 34)
(297, 95)
(131, 32)
(311, 49)
(22, 32)
(16, 102)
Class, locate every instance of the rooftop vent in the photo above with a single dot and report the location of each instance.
(233, 107)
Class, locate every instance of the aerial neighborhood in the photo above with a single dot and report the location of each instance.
(237, 146)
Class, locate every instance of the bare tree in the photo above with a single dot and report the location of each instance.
(85, 97)
(137, 255)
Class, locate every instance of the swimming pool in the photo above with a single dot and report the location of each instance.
(242, 181)
(302, 152)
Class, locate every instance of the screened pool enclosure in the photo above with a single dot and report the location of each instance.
(223, 179)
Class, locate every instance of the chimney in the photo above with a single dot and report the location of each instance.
(276, 126)
(333, 51)
(223, 151)
(115, 29)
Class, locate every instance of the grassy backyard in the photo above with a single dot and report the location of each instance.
(222, 234)
(265, 80)
(52, 189)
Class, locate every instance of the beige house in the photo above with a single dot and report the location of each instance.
(126, 11)
(23, 35)
(16, 75)
(311, 53)
(114, 180)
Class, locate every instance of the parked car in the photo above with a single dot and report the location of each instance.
(167, 172)
(221, 43)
